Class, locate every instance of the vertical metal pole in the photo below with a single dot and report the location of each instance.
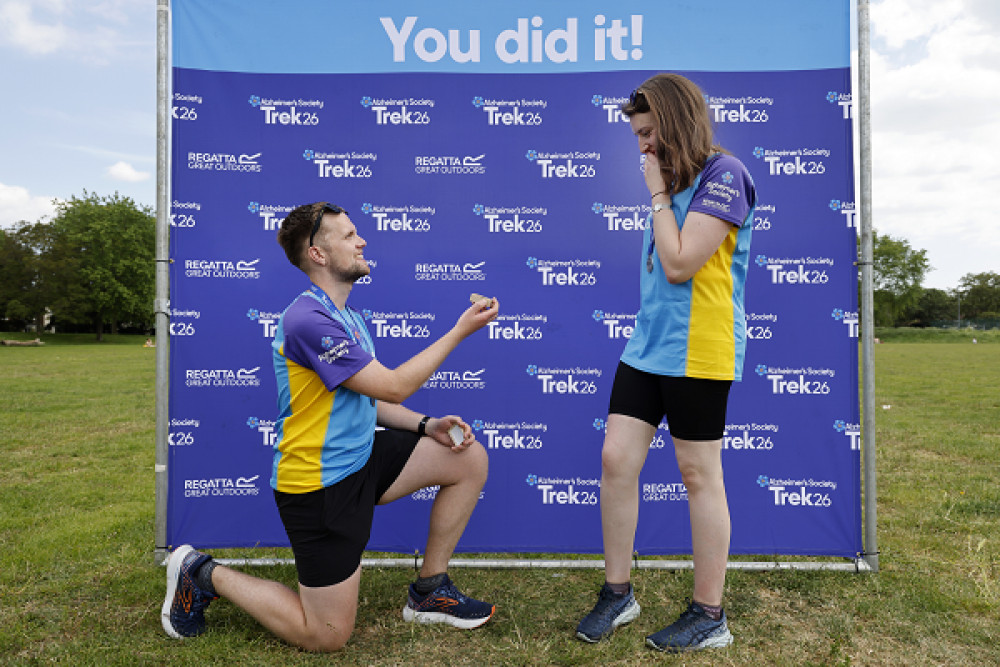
(867, 306)
(161, 305)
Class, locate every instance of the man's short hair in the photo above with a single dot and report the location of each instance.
(297, 227)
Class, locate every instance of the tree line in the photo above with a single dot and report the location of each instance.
(89, 268)
(901, 300)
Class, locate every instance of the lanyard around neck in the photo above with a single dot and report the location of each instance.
(352, 327)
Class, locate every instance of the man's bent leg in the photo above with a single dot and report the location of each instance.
(461, 476)
(316, 619)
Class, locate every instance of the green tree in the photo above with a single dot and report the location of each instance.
(934, 305)
(980, 293)
(15, 279)
(898, 273)
(100, 264)
(23, 297)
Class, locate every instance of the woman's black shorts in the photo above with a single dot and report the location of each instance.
(695, 408)
(329, 528)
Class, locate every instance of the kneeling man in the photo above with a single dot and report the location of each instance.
(331, 466)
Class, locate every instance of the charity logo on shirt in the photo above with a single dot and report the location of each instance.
(333, 349)
(720, 196)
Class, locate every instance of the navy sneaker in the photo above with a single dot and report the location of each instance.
(610, 611)
(446, 604)
(694, 630)
(183, 611)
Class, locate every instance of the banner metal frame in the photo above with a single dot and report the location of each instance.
(865, 562)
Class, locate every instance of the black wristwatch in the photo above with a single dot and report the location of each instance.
(422, 426)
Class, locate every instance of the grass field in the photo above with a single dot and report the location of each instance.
(78, 585)
(914, 335)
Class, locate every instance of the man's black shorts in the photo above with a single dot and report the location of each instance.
(695, 408)
(329, 528)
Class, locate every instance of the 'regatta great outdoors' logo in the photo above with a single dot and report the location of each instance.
(662, 492)
(448, 271)
(222, 377)
(222, 486)
(450, 165)
(457, 379)
(233, 162)
(222, 268)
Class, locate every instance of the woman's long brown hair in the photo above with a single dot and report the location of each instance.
(683, 126)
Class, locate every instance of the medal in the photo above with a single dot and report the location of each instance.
(650, 249)
(351, 328)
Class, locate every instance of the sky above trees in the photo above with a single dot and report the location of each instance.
(935, 67)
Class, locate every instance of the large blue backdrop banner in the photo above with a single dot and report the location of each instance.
(479, 148)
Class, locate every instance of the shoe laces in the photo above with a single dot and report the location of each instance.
(200, 599)
(606, 600)
(450, 590)
(691, 616)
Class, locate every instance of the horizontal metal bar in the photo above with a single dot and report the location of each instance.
(855, 565)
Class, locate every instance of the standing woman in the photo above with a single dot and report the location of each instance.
(685, 352)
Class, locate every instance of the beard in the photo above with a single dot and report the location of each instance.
(354, 272)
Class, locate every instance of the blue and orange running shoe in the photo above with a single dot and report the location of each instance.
(694, 630)
(446, 604)
(183, 611)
